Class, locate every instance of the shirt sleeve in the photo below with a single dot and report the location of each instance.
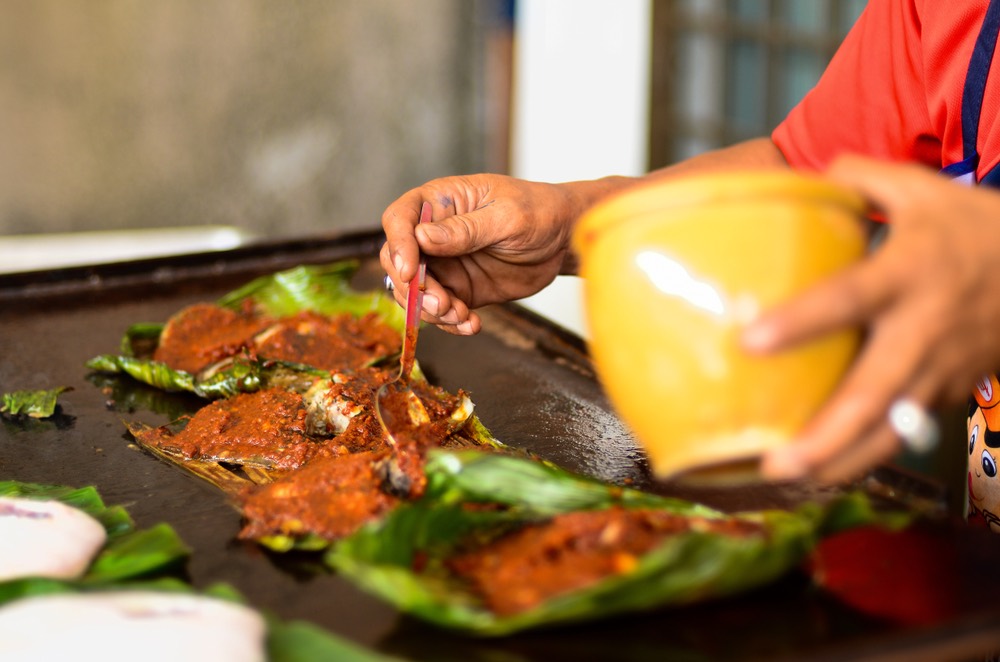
(871, 99)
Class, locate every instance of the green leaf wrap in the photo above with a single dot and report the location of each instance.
(325, 289)
(36, 404)
(690, 566)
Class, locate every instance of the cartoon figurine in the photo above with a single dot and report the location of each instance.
(983, 426)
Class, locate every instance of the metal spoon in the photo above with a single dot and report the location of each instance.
(396, 405)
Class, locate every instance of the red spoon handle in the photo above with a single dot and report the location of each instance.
(414, 301)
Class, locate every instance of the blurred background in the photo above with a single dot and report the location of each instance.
(168, 126)
(279, 119)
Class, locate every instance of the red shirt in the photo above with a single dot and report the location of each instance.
(894, 90)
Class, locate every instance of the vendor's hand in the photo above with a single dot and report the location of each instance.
(929, 299)
(493, 239)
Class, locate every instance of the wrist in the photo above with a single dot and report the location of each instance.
(587, 193)
(570, 264)
(581, 196)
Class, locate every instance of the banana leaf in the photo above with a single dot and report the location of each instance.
(230, 479)
(239, 375)
(156, 374)
(130, 554)
(141, 338)
(324, 289)
(688, 567)
(298, 641)
(36, 404)
(234, 478)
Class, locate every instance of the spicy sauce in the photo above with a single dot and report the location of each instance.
(204, 334)
(520, 570)
(340, 342)
(330, 497)
(266, 428)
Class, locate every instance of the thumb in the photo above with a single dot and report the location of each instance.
(460, 234)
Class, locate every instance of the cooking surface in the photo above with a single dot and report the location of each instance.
(533, 387)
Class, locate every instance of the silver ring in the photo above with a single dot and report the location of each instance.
(915, 426)
(388, 284)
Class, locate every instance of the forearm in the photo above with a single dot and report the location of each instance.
(756, 154)
(581, 196)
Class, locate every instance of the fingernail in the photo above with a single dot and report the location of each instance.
(451, 317)
(782, 465)
(465, 328)
(434, 233)
(397, 262)
(431, 304)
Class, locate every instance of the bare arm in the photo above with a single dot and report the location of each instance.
(496, 238)
(756, 154)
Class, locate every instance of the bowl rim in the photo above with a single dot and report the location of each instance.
(671, 192)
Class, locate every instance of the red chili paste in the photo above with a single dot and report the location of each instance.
(266, 428)
(330, 497)
(522, 569)
(340, 342)
(204, 334)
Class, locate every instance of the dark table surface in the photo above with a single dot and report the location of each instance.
(534, 388)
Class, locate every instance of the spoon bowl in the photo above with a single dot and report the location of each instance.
(396, 405)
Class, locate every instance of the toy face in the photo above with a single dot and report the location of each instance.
(987, 397)
(984, 484)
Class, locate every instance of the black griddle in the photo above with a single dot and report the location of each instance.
(534, 388)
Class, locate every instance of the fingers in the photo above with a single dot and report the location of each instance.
(910, 353)
(492, 238)
(851, 432)
(887, 185)
(460, 234)
(442, 309)
(857, 294)
(469, 327)
(838, 464)
(400, 254)
(450, 234)
(877, 446)
(919, 298)
(845, 300)
(449, 314)
(439, 306)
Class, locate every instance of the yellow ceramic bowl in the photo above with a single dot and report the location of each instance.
(673, 271)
